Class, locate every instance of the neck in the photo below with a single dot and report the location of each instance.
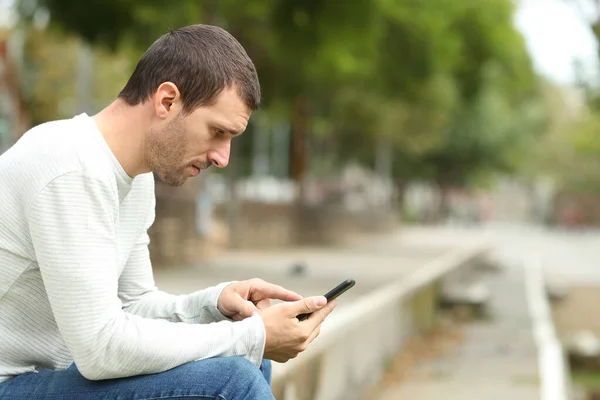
(124, 128)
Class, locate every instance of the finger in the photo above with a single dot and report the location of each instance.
(271, 291)
(314, 334)
(237, 317)
(317, 330)
(306, 305)
(264, 303)
(317, 317)
(245, 308)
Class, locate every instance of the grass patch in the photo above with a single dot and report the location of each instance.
(587, 379)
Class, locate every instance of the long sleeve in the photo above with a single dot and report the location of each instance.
(73, 230)
(140, 296)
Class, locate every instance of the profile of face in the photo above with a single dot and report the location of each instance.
(179, 146)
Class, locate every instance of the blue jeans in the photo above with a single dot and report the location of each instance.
(225, 378)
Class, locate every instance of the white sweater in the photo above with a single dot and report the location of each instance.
(76, 282)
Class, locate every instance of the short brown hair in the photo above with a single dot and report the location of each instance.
(201, 60)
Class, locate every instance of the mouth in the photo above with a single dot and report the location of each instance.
(196, 170)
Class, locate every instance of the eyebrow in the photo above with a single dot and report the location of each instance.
(223, 127)
(232, 132)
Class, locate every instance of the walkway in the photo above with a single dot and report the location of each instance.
(494, 359)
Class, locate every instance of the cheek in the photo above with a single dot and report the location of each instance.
(185, 143)
(200, 144)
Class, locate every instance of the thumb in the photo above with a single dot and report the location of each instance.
(249, 309)
(309, 304)
(246, 309)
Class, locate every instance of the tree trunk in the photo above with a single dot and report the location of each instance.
(401, 187)
(300, 123)
(280, 149)
(443, 209)
(384, 157)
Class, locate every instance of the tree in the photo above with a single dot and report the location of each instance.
(442, 89)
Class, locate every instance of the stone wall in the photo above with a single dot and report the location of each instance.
(262, 225)
(174, 240)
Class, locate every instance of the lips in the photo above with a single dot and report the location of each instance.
(201, 165)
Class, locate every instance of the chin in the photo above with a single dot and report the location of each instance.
(172, 180)
(176, 184)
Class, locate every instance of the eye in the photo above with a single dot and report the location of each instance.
(219, 131)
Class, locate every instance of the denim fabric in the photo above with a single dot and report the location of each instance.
(225, 378)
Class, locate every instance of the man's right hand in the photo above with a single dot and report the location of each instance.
(286, 335)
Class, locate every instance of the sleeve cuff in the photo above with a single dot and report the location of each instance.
(256, 348)
(213, 301)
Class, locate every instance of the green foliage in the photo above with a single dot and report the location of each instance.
(50, 87)
(417, 44)
(447, 84)
(576, 163)
(485, 136)
(488, 36)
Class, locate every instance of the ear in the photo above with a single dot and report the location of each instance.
(167, 100)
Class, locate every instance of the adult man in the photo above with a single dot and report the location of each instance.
(77, 298)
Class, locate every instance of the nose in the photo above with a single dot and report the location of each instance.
(219, 156)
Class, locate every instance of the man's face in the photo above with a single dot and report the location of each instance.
(184, 145)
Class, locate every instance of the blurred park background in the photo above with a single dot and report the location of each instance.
(374, 112)
(378, 116)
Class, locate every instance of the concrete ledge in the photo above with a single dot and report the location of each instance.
(357, 342)
(553, 367)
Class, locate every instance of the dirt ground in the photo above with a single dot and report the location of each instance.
(494, 357)
(578, 311)
(444, 340)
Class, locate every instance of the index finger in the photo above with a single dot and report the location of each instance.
(318, 317)
(271, 291)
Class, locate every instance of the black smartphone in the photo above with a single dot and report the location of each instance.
(332, 294)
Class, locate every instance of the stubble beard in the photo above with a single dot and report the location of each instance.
(165, 151)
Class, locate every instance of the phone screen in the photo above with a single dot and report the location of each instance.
(333, 294)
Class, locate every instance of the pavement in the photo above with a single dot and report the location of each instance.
(569, 256)
(495, 359)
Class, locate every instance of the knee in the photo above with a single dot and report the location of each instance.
(248, 378)
(240, 366)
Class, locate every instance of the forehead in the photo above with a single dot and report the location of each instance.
(228, 108)
(229, 99)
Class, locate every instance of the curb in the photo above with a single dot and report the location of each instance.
(553, 369)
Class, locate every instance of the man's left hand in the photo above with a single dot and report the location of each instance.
(242, 299)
